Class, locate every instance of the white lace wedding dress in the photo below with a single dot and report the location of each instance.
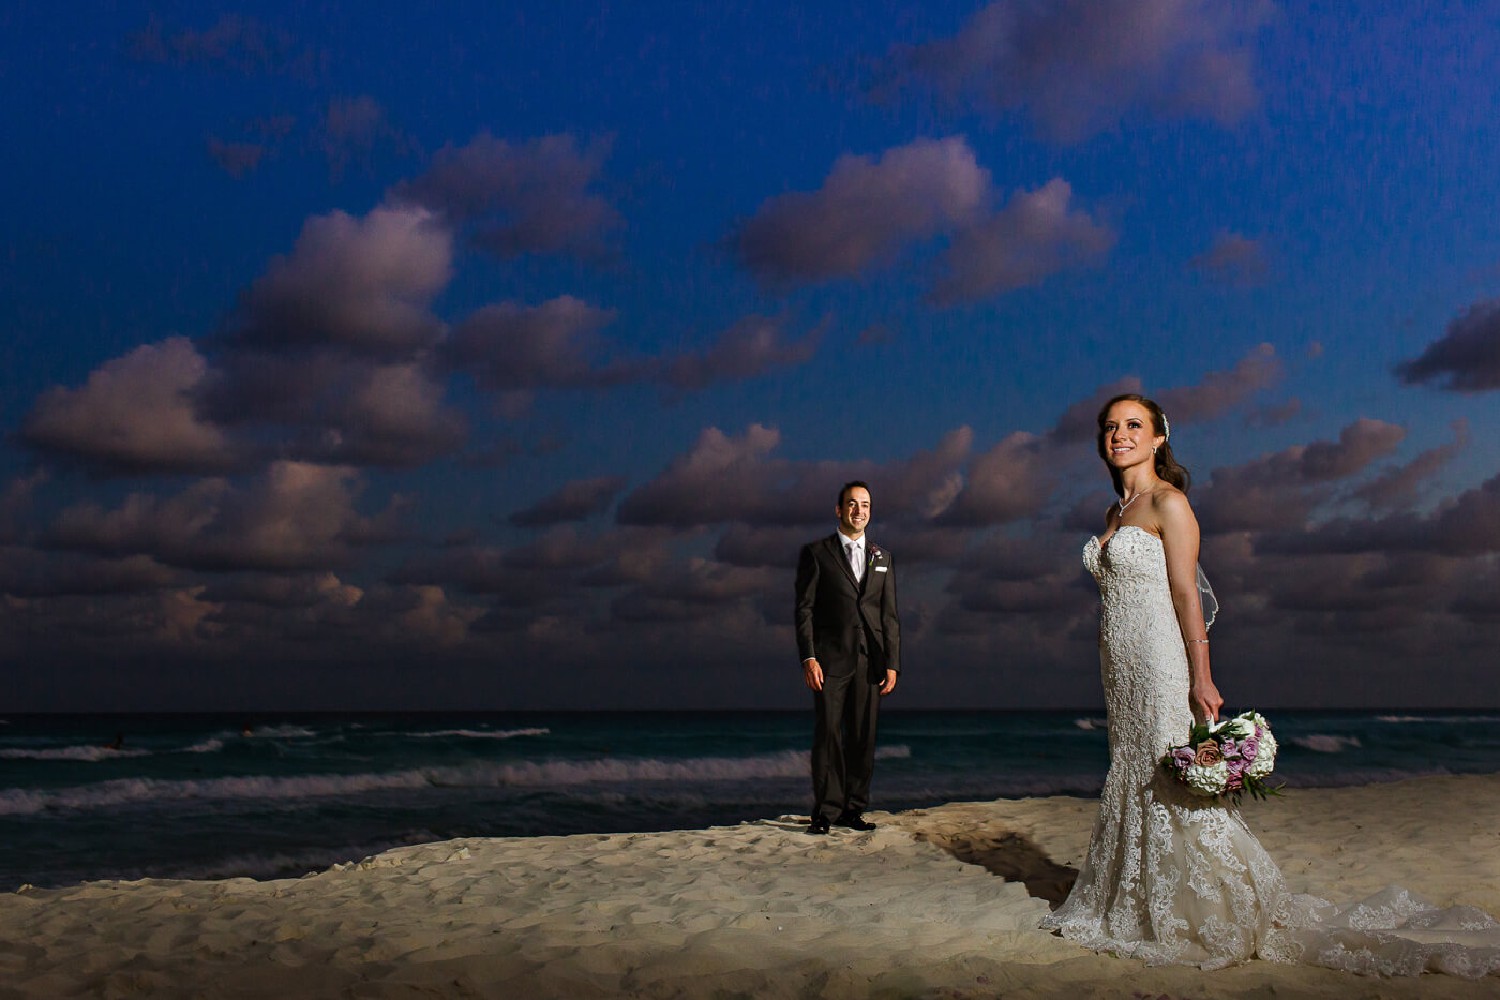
(1175, 878)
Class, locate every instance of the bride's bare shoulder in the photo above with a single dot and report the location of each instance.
(1170, 506)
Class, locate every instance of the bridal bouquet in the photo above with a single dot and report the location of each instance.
(1226, 758)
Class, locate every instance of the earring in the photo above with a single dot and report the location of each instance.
(1153, 449)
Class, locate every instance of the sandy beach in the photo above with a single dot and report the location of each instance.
(941, 902)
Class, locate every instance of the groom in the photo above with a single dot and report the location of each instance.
(850, 640)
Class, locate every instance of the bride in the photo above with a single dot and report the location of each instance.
(1170, 876)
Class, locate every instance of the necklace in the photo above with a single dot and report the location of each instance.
(1122, 503)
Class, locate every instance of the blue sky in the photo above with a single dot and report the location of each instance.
(501, 356)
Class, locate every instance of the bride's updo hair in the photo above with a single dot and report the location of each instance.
(1166, 466)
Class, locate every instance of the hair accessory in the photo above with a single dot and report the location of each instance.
(1166, 427)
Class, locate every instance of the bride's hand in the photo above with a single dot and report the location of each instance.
(1205, 701)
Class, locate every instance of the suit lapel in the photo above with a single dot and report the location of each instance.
(835, 544)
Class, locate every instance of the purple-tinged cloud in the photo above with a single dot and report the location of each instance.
(1037, 234)
(1405, 485)
(724, 479)
(1077, 67)
(924, 486)
(554, 345)
(29, 573)
(1220, 391)
(1275, 414)
(578, 500)
(16, 502)
(354, 129)
(135, 414)
(753, 347)
(1080, 421)
(1233, 259)
(558, 569)
(428, 614)
(327, 406)
(1007, 483)
(1464, 526)
(237, 159)
(865, 213)
(1216, 393)
(295, 517)
(285, 591)
(1278, 492)
(753, 545)
(363, 285)
(1466, 358)
(518, 198)
(234, 42)
(720, 479)
(394, 416)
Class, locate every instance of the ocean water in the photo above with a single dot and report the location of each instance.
(212, 796)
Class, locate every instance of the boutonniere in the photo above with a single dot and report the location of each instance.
(875, 553)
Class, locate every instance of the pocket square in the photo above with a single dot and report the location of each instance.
(882, 569)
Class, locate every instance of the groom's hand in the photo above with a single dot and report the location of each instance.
(890, 683)
(812, 674)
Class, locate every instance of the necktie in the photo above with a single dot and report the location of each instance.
(855, 563)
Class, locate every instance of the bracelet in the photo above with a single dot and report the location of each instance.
(1204, 641)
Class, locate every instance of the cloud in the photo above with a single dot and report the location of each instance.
(1233, 259)
(753, 347)
(923, 486)
(577, 500)
(16, 502)
(394, 416)
(702, 591)
(352, 129)
(296, 516)
(330, 407)
(234, 42)
(1035, 235)
(1467, 525)
(725, 479)
(364, 285)
(553, 345)
(1220, 391)
(435, 617)
(1006, 483)
(865, 212)
(1078, 67)
(1466, 358)
(532, 197)
(562, 571)
(285, 591)
(1216, 393)
(755, 545)
(262, 139)
(1080, 421)
(1405, 484)
(32, 573)
(1281, 490)
(716, 481)
(135, 414)
(237, 159)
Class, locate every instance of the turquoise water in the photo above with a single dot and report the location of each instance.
(212, 796)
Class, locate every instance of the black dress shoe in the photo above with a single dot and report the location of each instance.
(819, 825)
(854, 821)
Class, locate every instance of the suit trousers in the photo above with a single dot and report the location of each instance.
(843, 751)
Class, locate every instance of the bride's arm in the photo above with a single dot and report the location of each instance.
(1179, 539)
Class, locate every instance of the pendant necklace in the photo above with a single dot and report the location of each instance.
(1122, 503)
